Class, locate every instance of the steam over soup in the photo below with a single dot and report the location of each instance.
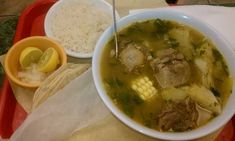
(168, 76)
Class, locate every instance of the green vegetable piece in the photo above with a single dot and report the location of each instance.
(215, 92)
(135, 28)
(173, 43)
(115, 83)
(128, 100)
(217, 55)
(162, 27)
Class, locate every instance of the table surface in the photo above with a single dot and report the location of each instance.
(12, 7)
(15, 6)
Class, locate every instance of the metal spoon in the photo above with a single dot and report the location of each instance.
(115, 30)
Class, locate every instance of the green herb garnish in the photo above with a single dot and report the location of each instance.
(215, 92)
(127, 100)
(162, 27)
(173, 43)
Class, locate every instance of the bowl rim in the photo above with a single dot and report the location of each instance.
(14, 48)
(200, 26)
(48, 32)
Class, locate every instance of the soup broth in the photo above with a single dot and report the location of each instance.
(167, 76)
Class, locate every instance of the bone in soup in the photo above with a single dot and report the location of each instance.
(168, 76)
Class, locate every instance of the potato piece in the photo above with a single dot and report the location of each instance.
(182, 36)
(205, 71)
(205, 98)
(174, 94)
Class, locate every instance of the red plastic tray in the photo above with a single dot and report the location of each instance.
(30, 23)
(11, 113)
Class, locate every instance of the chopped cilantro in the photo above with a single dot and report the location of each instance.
(162, 27)
(115, 83)
(127, 99)
(173, 43)
(134, 29)
(215, 92)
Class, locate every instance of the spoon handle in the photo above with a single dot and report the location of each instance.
(115, 30)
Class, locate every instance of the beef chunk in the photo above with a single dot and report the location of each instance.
(170, 68)
(181, 116)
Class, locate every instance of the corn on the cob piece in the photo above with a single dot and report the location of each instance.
(144, 87)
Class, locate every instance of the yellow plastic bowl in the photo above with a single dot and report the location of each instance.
(12, 65)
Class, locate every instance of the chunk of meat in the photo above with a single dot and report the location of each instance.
(131, 57)
(180, 116)
(166, 52)
(171, 69)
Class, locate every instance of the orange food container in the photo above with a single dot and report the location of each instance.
(12, 65)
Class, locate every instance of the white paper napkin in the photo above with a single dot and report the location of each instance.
(220, 18)
(72, 108)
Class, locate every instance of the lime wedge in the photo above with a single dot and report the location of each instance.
(29, 55)
(48, 61)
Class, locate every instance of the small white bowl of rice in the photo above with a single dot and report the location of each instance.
(78, 24)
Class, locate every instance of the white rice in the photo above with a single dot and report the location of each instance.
(77, 25)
